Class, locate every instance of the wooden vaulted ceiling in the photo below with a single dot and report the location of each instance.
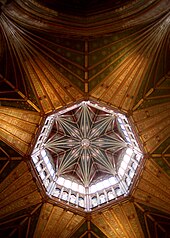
(115, 53)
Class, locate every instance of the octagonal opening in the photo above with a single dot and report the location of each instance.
(86, 155)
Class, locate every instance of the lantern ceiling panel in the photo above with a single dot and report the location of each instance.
(86, 148)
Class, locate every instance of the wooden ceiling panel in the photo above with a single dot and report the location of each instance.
(103, 225)
(72, 225)
(56, 222)
(52, 90)
(154, 223)
(153, 187)
(153, 125)
(162, 156)
(157, 94)
(127, 212)
(88, 229)
(32, 81)
(124, 81)
(135, 64)
(21, 223)
(9, 159)
(18, 127)
(119, 221)
(18, 191)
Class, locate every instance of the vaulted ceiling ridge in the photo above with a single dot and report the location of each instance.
(104, 24)
(152, 220)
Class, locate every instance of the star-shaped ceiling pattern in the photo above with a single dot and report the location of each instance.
(85, 143)
(50, 59)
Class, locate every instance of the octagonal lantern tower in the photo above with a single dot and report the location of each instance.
(86, 155)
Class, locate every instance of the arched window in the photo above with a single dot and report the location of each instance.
(35, 159)
(131, 173)
(42, 175)
(73, 198)
(118, 191)
(94, 201)
(81, 202)
(134, 165)
(57, 192)
(110, 195)
(47, 182)
(45, 173)
(65, 195)
(102, 198)
(127, 180)
(39, 168)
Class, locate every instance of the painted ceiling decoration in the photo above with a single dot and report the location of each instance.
(54, 54)
(81, 133)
